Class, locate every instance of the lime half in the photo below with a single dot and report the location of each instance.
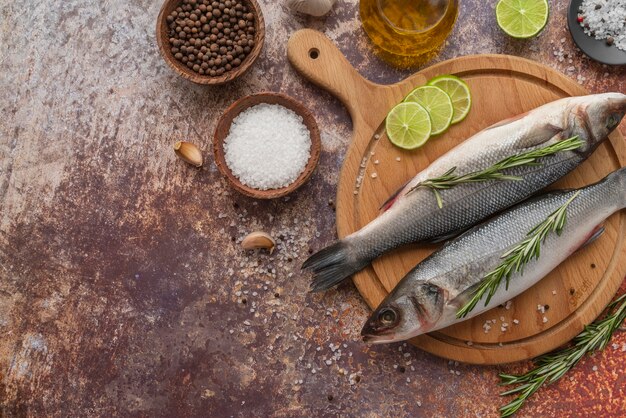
(522, 18)
(408, 125)
(459, 93)
(438, 105)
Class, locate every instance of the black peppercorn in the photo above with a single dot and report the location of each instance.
(211, 37)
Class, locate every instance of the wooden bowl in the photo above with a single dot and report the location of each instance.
(163, 41)
(223, 128)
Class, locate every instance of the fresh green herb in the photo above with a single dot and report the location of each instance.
(552, 366)
(529, 158)
(516, 258)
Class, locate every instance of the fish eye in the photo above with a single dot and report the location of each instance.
(612, 121)
(387, 316)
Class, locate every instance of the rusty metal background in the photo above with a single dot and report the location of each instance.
(122, 285)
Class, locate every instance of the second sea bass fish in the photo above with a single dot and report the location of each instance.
(429, 296)
(414, 216)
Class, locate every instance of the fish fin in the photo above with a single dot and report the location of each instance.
(539, 135)
(444, 237)
(462, 298)
(392, 199)
(594, 236)
(332, 265)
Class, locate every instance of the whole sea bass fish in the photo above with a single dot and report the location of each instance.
(431, 294)
(414, 216)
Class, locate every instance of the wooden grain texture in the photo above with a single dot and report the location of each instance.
(223, 128)
(181, 69)
(502, 86)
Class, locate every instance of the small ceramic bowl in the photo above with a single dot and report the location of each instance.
(163, 41)
(223, 128)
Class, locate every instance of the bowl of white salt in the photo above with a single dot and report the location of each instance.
(266, 145)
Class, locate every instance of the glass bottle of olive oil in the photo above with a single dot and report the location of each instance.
(408, 33)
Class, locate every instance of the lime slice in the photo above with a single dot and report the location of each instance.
(459, 93)
(522, 18)
(408, 125)
(438, 105)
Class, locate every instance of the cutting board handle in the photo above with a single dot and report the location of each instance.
(319, 60)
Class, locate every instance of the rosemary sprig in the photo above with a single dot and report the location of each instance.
(529, 158)
(552, 366)
(516, 258)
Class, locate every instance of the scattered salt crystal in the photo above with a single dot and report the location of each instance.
(508, 304)
(554, 292)
(516, 321)
(374, 175)
(594, 368)
(376, 162)
(268, 146)
(545, 320)
(231, 331)
(398, 158)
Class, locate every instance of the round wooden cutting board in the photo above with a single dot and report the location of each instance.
(502, 86)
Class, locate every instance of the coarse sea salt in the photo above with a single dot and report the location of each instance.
(268, 146)
(605, 18)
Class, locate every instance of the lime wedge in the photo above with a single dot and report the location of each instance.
(408, 125)
(522, 18)
(438, 105)
(459, 93)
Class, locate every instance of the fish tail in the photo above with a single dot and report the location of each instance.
(332, 265)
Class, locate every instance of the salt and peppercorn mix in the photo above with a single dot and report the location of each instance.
(211, 37)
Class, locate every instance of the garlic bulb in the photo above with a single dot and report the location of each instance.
(311, 7)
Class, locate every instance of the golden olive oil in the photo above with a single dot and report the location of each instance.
(408, 32)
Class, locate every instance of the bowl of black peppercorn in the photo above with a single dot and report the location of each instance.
(210, 41)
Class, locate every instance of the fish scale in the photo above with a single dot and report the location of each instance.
(462, 263)
(413, 214)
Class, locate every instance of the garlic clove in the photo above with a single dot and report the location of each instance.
(258, 239)
(315, 8)
(189, 153)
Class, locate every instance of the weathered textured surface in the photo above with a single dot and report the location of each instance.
(119, 278)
